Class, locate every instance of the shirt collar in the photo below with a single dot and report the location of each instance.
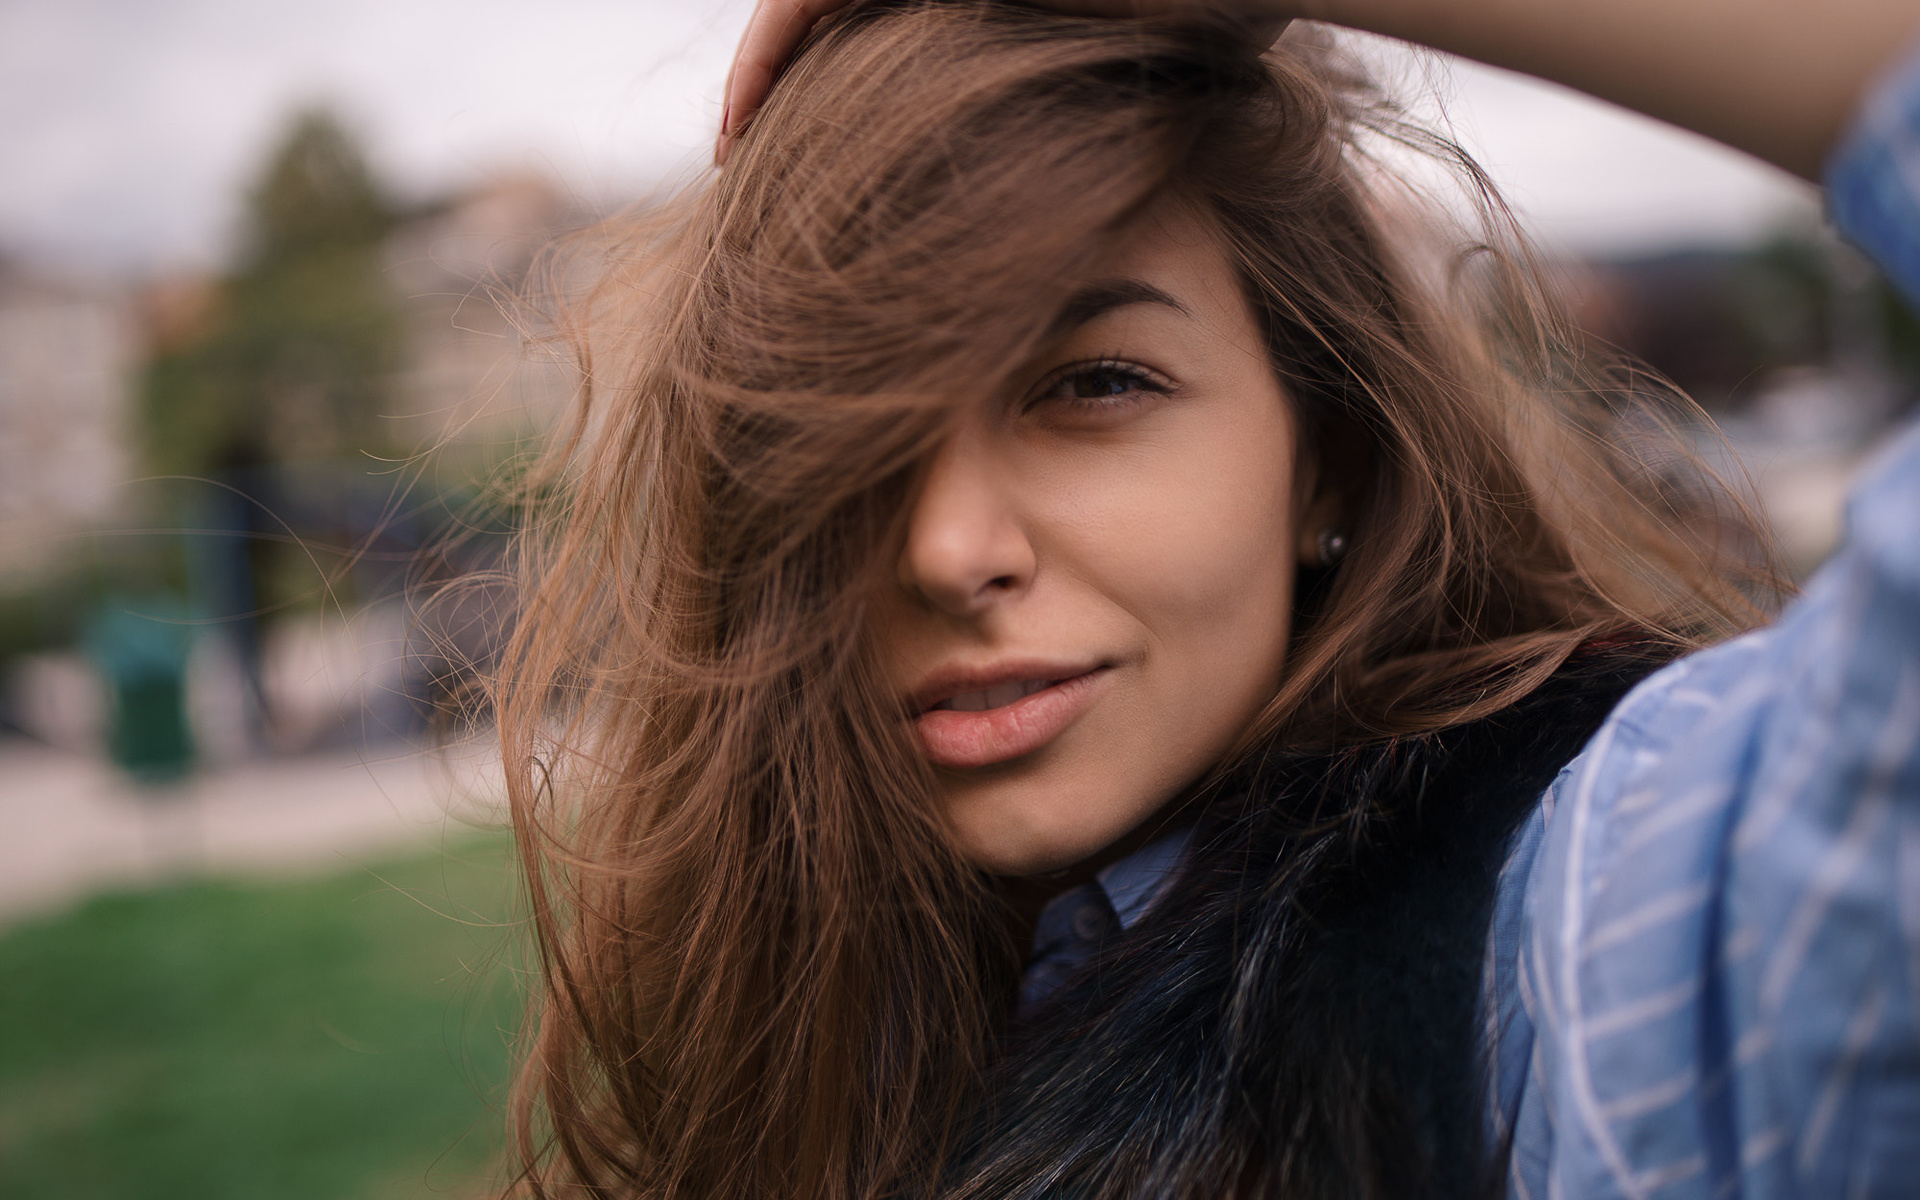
(1133, 883)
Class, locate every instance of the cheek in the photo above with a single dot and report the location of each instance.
(1194, 542)
(1220, 610)
(1197, 545)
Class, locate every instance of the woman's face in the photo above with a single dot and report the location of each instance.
(1094, 592)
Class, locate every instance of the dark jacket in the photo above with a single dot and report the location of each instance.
(1297, 1018)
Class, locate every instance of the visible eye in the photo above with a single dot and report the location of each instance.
(1106, 386)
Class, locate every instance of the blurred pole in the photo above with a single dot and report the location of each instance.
(223, 576)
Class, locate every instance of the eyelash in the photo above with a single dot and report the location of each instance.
(1141, 379)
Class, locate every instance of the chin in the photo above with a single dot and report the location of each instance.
(1015, 861)
(1004, 837)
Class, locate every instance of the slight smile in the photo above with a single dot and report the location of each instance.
(980, 719)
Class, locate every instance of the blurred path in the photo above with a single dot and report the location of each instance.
(71, 825)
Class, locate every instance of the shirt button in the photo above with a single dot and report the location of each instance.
(1089, 922)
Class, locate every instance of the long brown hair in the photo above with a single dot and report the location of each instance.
(765, 970)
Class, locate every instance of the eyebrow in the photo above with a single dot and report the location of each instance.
(1101, 298)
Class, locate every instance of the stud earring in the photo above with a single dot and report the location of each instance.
(1333, 546)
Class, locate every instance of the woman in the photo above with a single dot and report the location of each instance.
(1058, 617)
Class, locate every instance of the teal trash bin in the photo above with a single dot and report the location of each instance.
(140, 647)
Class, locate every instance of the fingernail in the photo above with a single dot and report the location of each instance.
(726, 120)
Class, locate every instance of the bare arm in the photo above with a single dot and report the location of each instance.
(1777, 78)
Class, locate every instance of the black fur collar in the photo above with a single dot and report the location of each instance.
(1296, 1019)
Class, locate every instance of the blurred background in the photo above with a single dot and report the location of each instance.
(258, 365)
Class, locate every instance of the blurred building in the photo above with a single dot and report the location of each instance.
(1724, 324)
(1803, 356)
(71, 350)
(461, 269)
(68, 353)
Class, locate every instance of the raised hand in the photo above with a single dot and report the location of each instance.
(777, 28)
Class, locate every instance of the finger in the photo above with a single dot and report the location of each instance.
(773, 33)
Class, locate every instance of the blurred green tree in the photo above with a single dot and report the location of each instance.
(293, 360)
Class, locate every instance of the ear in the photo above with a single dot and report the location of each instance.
(1326, 510)
(1333, 482)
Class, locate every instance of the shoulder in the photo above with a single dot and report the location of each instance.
(1719, 946)
(1794, 726)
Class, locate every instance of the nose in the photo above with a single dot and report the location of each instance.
(967, 549)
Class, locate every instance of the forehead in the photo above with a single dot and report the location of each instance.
(1170, 237)
(1170, 267)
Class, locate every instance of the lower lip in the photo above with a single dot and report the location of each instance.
(997, 735)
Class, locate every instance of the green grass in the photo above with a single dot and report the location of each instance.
(335, 1038)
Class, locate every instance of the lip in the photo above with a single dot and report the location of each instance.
(956, 739)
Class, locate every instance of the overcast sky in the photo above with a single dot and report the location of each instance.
(129, 127)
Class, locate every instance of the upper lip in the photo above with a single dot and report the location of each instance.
(957, 680)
